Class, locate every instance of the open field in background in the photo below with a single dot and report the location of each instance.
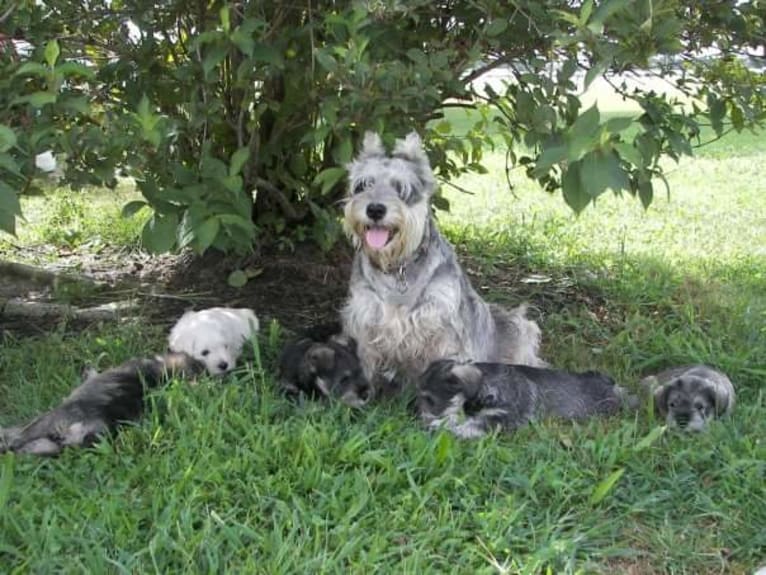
(232, 478)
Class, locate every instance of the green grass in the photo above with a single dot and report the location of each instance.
(230, 477)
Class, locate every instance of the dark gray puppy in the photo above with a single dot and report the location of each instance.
(690, 396)
(97, 406)
(324, 363)
(471, 399)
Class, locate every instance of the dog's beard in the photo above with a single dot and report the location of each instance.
(390, 242)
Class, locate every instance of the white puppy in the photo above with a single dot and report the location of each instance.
(214, 336)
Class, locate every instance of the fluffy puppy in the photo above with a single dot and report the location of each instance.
(690, 396)
(214, 336)
(497, 395)
(97, 406)
(323, 363)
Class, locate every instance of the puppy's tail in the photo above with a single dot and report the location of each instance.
(526, 335)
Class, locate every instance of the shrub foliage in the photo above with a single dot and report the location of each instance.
(236, 118)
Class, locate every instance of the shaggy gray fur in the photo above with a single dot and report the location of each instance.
(97, 406)
(471, 399)
(410, 302)
(690, 396)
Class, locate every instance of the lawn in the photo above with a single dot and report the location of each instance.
(230, 477)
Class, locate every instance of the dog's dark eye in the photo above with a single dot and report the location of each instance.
(672, 403)
(699, 406)
(205, 352)
(397, 186)
(361, 186)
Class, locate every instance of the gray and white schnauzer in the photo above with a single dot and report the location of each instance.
(690, 396)
(410, 302)
(472, 399)
(98, 406)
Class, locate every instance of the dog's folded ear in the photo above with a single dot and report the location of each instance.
(321, 357)
(470, 377)
(660, 395)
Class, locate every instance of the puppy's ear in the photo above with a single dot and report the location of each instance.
(470, 377)
(660, 395)
(720, 403)
(321, 357)
(345, 341)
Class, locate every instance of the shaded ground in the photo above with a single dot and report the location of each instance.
(296, 288)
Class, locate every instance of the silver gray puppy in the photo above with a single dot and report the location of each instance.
(410, 302)
(690, 396)
(97, 406)
(471, 399)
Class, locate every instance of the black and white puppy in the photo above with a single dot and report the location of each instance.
(98, 405)
(324, 363)
(690, 396)
(471, 399)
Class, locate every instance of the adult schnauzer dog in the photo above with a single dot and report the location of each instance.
(410, 302)
(98, 406)
(690, 396)
(471, 399)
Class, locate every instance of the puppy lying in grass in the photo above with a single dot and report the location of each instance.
(471, 399)
(324, 363)
(98, 406)
(214, 336)
(690, 396)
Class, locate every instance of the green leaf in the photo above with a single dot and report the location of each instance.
(214, 55)
(52, 52)
(583, 134)
(443, 447)
(238, 160)
(326, 60)
(496, 27)
(617, 125)
(343, 151)
(717, 111)
(630, 153)
(328, 178)
(605, 10)
(595, 71)
(32, 69)
(159, 233)
(132, 208)
(37, 99)
(205, 233)
(7, 138)
(601, 171)
(9, 164)
(603, 488)
(269, 55)
(9, 208)
(650, 438)
(75, 69)
(244, 41)
(549, 157)
(737, 118)
(645, 192)
(225, 20)
(574, 194)
(6, 480)
(237, 279)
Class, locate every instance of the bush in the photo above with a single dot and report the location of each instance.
(236, 119)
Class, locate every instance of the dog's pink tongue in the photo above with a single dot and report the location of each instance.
(376, 237)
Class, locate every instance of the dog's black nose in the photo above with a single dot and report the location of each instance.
(376, 211)
(223, 365)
